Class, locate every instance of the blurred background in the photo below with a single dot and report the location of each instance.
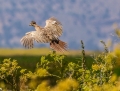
(87, 20)
(91, 21)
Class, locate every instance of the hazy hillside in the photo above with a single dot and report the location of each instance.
(87, 20)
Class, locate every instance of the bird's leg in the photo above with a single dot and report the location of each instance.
(53, 51)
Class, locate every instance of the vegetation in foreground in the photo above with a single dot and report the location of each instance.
(54, 73)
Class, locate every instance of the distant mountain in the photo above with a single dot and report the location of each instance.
(87, 20)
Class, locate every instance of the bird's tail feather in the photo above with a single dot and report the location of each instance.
(58, 45)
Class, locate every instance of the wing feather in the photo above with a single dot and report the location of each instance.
(53, 27)
(54, 19)
(28, 40)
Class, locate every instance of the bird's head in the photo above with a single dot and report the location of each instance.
(32, 23)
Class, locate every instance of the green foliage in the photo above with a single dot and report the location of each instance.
(8, 73)
(54, 73)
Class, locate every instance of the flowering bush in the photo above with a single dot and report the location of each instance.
(54, 73)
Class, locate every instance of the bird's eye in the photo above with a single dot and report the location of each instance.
(33, 22)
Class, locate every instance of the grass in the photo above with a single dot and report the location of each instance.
(29, 62)
(18, 51)
(71, 67)
(36, 51)
(27, 58)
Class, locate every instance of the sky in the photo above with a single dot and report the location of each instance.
(87, 20)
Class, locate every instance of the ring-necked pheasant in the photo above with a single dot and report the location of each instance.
(48, 34)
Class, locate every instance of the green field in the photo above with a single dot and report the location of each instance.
(38, 65)
(36, 51)
(27, 58)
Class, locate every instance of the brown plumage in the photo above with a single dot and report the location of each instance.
(49, 34)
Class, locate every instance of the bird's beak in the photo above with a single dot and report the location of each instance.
(30, 25)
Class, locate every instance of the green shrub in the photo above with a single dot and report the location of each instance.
(54, 73)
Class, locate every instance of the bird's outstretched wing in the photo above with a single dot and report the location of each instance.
(28, 40)
(53, 27)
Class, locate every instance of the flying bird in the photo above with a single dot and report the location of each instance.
(48, 34)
